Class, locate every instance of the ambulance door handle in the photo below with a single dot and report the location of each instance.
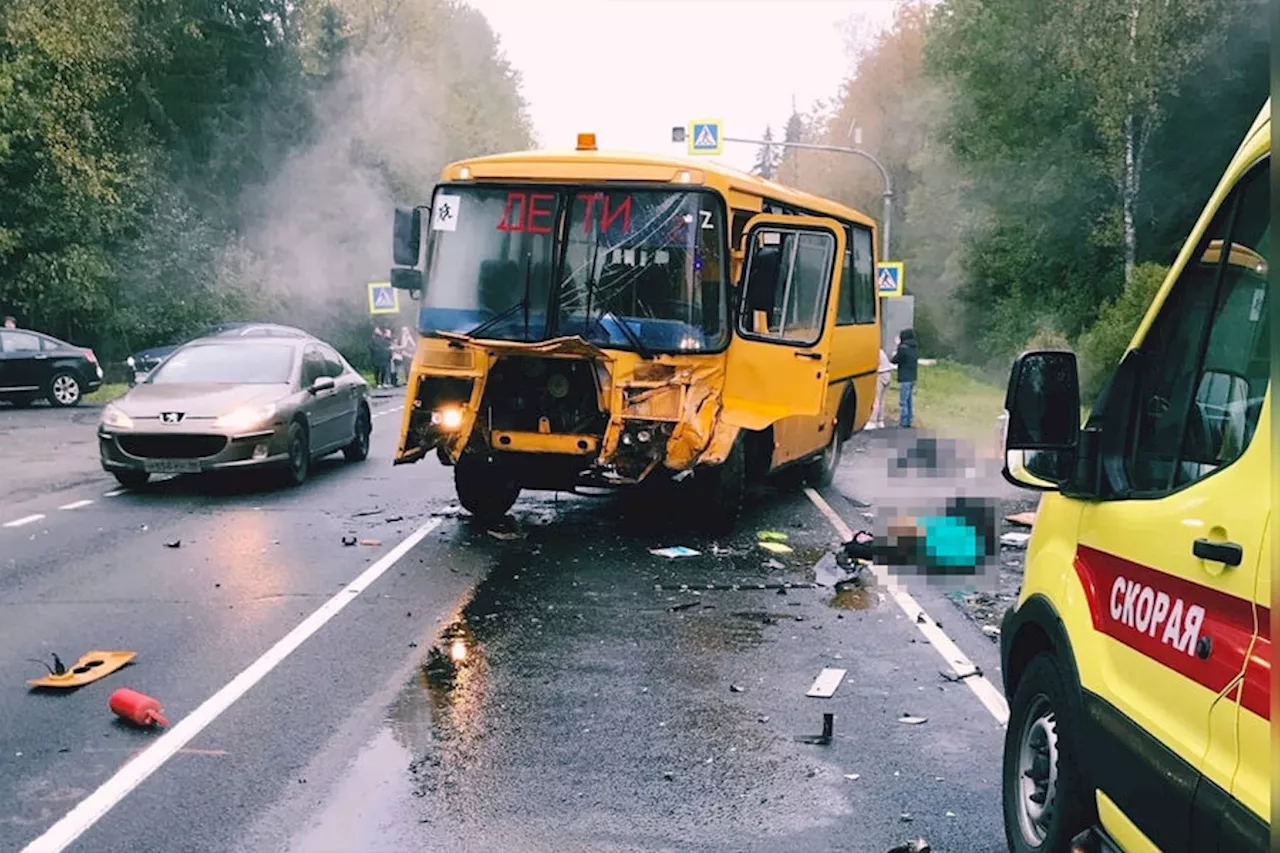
(1227, 553)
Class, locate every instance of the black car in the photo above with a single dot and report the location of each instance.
(144, 361)
(34, 365)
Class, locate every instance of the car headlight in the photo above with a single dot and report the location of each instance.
(113, 416)
(129, 361)
(245, 417)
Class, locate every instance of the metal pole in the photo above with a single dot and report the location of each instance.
(884, 175)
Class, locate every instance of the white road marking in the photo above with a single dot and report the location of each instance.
(388, 411)
(93, 807)
(114, 493)
(987, 694)
(26, 519)
(76, 504)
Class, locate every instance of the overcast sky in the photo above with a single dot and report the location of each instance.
(629, 70)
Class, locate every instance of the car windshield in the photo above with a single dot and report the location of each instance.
(634, 269)
(232, 364)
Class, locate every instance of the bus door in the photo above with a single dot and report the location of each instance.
(778, 358)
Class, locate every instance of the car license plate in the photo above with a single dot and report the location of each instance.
(171, 466)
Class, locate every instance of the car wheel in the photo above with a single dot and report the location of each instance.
(821, 471)
(299, 464)
(484, 489)
(64, 389)
(131, 479)
(1046, 801)
(719, 490)
(358, 449)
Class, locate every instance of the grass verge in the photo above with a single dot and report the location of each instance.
(954, 400)
(108, 392)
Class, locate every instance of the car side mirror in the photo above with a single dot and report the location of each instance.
(1042, 404)
(406, 240)
(322, 383)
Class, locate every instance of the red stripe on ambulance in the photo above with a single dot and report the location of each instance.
(1170, 619)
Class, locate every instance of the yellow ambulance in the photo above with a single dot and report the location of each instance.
(1137, 660)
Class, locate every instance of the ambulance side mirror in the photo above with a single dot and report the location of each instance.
(1042, 404)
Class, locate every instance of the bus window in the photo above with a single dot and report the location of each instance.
(786, 295)
(845, 312)
(864, 279)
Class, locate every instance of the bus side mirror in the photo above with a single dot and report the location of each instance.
(406, 241)
(1043, 407)
(405, 278)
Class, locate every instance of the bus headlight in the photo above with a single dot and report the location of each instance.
(449, 417)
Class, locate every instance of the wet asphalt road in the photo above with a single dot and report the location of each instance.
(599, 707)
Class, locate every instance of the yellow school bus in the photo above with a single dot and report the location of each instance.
(601, 319)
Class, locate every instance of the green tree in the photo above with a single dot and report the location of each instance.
(767, 157)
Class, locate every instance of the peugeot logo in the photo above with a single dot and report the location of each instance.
(171, 417)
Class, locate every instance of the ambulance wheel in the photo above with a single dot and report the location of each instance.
(719, 490)
(484, 488)
(1046, 801)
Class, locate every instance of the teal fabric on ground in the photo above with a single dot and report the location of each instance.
(950, 542)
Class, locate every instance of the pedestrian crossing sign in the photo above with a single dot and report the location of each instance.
(705, 137)
(890, 278)
(383, 298)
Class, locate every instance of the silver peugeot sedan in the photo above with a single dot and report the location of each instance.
(219, 404)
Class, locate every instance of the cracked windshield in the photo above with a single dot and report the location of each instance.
(858, 437)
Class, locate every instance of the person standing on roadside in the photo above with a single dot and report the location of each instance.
(908, 359)
(882, 384)
(380, 351)
(406, 346)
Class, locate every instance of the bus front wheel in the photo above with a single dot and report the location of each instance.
(719, 491)
(485, 489)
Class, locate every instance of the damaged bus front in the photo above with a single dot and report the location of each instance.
(578, 334)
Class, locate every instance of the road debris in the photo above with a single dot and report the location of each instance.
(919, 845)
(771, 563)
(687, 605)
(951, 676)
(137, 708)
(1015, 539)
(348, 540)
(771, 536)
(824, 686)
(912, 720)
(392, 519)
(91, 666)
(824, 739)
(506, 535)
(735, 688)
(674, 551)
(371, 542)
(852, 777)
(991, 631)
(906, 817)
(668, 775)
(176, 543)
(1024, 519)
(775, 547)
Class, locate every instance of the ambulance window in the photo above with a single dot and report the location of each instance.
(1208, 350)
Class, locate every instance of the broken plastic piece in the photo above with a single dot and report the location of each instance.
(348, 540)
(506, 535)
(374, 542)
(1026, 519)
(137, 708)
(90, 667)
(824, 686)
(674, 551)
(776, 547)
(1015, 539)
(771, 536)
(912, 721)
(176, 543)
